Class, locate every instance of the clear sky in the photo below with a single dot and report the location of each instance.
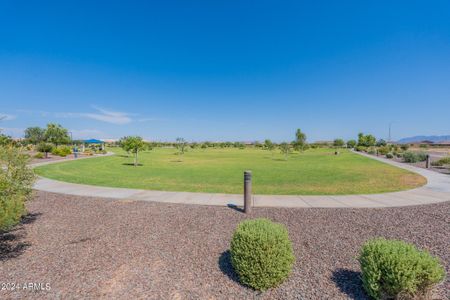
(226, 70)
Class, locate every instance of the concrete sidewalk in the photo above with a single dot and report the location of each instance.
(436, 190)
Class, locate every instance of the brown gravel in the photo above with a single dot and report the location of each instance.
(98, 248)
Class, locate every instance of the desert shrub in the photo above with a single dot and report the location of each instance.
(383, 150)
(261, 253)
(445, 160)
(399, 155)
(404, 147)
(361, 148)
(413, 157)
(61, 151)
(16, 180)
(389, 155)
(372, 151)
(39, 155)
(394, 269)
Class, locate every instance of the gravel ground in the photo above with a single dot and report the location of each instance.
(97, 248)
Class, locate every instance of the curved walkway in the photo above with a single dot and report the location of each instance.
(436, 190)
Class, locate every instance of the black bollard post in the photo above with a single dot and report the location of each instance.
(247, 191)
(428, 161)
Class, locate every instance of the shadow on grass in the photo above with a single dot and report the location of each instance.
(131, 164)
(226, 267)
(349, 282)
(12, 242)
(176, 161)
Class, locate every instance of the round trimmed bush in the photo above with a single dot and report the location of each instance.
(261, 253)
(394, 269)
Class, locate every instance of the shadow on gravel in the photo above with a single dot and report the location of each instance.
(349, 282)
(226, 267)
(11, 242)
(235, 207)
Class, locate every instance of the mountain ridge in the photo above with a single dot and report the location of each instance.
(419, 138)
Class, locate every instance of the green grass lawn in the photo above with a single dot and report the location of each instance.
(314, 172)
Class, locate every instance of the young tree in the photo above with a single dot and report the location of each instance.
(300, 140)
(44, 148)
(56, 134)
(351, 144)
(268, 145)
(366, 140)
(381, 143)
(34, 135)
(181, 145)
(133, 144)
(338, 143)
(285, 149)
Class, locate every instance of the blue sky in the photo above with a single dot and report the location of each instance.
(226, 70)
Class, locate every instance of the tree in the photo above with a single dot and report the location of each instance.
(45, 148)
(366, 140)
(56, 134)
(133, 144)
(351, 144)
(285, 149)
(381, 143)
(300, 140)
(181, 145)
(5, 140)
(34, 135)
(338, 143)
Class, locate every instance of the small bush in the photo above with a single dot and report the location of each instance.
(394, 269)
(404, 147)
(361, 148)
(261, 253)
(39, 155)
(16, 180)
(384, 150)
(389, 155)
(441, 162)
(62, 151)
(413, 157)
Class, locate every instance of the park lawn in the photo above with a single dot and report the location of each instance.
(313, 172)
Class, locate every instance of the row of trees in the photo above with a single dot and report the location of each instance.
(53, 133)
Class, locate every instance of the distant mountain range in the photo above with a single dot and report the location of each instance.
(419, 138)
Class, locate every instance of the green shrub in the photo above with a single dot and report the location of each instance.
(413, 157)
(384, 150)
(39, 155)
(404, 147)
(389, 155)
(261, 253)
(361, 148)
(61, 151)
(441, 162)
(16, 180)
(392, 269)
